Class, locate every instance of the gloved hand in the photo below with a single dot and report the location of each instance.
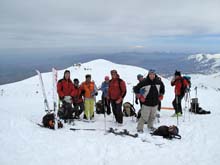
(68, 99)
(94, 93)
(142, 99)
(119, 100)
(160, 97)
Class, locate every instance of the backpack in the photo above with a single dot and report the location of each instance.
(185, 86)
(128, 110)
(167, 132)
(49, 121)
(100, 109)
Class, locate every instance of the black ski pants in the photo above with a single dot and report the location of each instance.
(177, 104)
(117, 111)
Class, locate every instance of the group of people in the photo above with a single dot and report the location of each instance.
(78, 98)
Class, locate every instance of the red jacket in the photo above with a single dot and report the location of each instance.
(64, 88)
(178, 82)
(115, 91)
(77, 94)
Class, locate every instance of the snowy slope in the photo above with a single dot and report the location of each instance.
(207, 62)
(23, 142)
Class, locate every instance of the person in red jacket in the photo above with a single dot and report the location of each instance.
(178, 81)
(78, 101)
(64, 90)
(116, 94)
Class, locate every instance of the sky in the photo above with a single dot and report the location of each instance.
(148, 25)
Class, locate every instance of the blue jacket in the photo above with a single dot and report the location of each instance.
(104, 88)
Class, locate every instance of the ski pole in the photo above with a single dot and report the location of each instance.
(177, 107)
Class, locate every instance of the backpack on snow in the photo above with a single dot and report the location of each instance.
(167, 132)
(128, 110)
(100, 109)
(49, 121)
(195, 108)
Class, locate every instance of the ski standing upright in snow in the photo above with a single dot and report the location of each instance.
(46, 104)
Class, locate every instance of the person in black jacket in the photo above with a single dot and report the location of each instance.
(153, 91)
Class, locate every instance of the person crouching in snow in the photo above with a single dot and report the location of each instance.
(153, 90)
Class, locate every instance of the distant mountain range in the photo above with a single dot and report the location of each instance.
(22, 66)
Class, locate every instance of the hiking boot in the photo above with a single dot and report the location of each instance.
(151, 129)
(179, 114)
(140, 131)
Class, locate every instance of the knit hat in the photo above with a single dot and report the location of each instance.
(177, 73)
(106, 78)
(76, 81)
(113, 71)
(88, 76)
(139, 76)
(152, 71)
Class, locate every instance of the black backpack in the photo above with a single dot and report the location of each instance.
(100, 109)
(49, 121)
(167, 132)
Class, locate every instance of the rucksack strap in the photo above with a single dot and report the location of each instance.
(176, 136)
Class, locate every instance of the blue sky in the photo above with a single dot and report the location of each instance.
(116, 25)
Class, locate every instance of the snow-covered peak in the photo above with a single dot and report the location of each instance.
(211, 62)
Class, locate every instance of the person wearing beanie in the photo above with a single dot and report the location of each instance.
(90, 91)
(64, 90)
(140, 78)
(116, 94)
(178, 81)
(78, 101)
(105, 100)
(153, 91)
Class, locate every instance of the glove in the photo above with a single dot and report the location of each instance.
(119, 100)
(94, 93)
(142, 99)
(68, 99)
(136, 101)
(160, 97)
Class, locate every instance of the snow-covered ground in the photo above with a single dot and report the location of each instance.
(23, 142)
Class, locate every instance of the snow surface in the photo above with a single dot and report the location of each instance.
(23, 142)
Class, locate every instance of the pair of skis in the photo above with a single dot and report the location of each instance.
(123, 132)
(46, 103)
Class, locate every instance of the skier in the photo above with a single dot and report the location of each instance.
(90, 91)
(64, 90)
(140, 78)
(116, 94)
(178, 81)
(104, 89)
(78, 101)
(154, 90)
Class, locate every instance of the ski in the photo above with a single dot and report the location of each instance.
(47, 108)
(123, 132)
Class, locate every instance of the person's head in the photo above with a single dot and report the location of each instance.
(88, 77)
(107, 78)
(76, 82)
(114, 74)
(67, 74)
(152, 74)
(177, 73)
(140, 77)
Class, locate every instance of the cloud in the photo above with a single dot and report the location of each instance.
(48, 23)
